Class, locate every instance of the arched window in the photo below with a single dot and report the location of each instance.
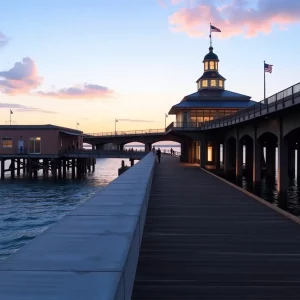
(206, 66)
(213, 82)
(204, 83)
(211, 65)
(220, 83)
(216, 65)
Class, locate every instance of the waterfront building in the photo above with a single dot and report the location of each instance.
(38, 139)
(211, 100)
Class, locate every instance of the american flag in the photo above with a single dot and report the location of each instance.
(268, 68)
(214, 29)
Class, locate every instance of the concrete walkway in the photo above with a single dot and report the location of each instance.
(204, 239)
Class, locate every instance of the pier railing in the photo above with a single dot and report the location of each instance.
(125, 133)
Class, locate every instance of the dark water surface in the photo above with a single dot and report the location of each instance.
(30, 206)
(268, 190)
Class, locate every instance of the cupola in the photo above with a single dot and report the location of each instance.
(211, 79)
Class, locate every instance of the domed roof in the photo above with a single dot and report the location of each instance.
(211, 55)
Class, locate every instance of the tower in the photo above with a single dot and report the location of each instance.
(211, 79)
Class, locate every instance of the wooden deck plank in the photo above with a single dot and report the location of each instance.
(204, 239)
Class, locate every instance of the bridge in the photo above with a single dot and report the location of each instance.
(259, 130)
(161, 231)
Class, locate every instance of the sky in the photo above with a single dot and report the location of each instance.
(89, 62)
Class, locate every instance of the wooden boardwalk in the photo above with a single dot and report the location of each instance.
(204, 239)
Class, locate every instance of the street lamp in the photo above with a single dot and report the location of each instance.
(116, 126)
(166, 115)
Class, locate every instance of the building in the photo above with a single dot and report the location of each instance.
(38, 139)
(211, 100)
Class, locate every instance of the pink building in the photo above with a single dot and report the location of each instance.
(38, 139)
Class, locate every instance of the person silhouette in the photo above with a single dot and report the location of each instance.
(158, 153)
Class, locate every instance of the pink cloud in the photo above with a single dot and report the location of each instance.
(236, 17)
(86, 91)
(21, 78)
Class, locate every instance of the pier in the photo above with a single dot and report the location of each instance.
(162, 231)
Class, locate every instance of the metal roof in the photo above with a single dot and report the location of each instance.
(213, 104)
(39, 127)
(211, 75)
(211, 94)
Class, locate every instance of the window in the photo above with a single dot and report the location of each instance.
(220, 83)
(7, 142)
(205, 66)
(213, 82)
(204, 83)
(209, 153)
(211, 65)
(199, 85)
(35, 145)
(216, 65)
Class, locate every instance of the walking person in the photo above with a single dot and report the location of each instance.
(171, 151)
(153, 150)
(158, 153)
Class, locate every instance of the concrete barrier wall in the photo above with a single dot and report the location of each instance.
(92, 252)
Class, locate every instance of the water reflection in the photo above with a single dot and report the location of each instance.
(267, 189)
(30, 206)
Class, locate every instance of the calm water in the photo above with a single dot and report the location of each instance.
(28, 207)
(268, 190)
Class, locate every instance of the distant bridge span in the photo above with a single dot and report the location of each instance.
(147, 137)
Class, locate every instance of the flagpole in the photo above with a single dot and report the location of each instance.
(264, 82)
(210, 33)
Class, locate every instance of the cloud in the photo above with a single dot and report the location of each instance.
(133, 120)
(23, 108)
(236, 17)
(3, 40)
(21, 78)
(86, 91)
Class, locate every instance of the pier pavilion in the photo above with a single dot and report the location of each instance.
(210, 102)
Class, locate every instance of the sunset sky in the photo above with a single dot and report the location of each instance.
(91, 61)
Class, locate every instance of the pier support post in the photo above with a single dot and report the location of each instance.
(298, 163)
(291, 160)
(64, 163)
(79, 167)
(203, 153)
(2, 167)
(24, 165)
(270, 160)
(217, 155)
(282, 169)
(249, 158)
(257, 156)
(73, 167)
(54, 167)
(238, 158)
(12, 168)
(29, 167)
(45, 167)
(131, 162)
(94, 163)
(59, 167)
(18, 166)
